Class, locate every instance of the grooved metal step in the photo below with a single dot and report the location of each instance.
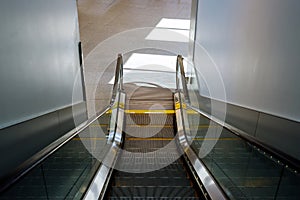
(146, 131)
(160, 192)
(153, 119)
(150, 156)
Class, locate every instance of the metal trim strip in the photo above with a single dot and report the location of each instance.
(213, 189)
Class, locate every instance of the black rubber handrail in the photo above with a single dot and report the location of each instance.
(42, 155)
(118, 83)
(180, 69)
(207, 183)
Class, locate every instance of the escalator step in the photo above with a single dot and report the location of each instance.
(152, 192)
(151, 181)
(158, 173)
(147, 131)
(148, 144)
(149, 119)
(155, 198)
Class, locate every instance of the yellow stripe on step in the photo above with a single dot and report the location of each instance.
(149, 139)
(150, 111)
(149, 126)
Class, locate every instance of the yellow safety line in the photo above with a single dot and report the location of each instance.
(146, 111)
(192, 112)
(149, 139)
(150, 111)
(122, 105)
(149, 126)
(153, 111)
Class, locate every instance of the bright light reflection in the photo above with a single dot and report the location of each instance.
(162, 69)
(172, 30)
(151, 62)
(171, 35)
(174, 23)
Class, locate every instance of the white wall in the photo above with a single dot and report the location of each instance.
(255, 45)
(39, 58)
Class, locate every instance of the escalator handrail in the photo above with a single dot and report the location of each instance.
(98, 185)
(180, 69)
(118, 82)
(42, 155)
(211, 189)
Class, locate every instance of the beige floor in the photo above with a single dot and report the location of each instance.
(109, 27)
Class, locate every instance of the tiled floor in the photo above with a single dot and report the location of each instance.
(109, 27)
(100, 19)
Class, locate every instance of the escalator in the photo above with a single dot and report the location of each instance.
(149, 129)
(145, 145)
